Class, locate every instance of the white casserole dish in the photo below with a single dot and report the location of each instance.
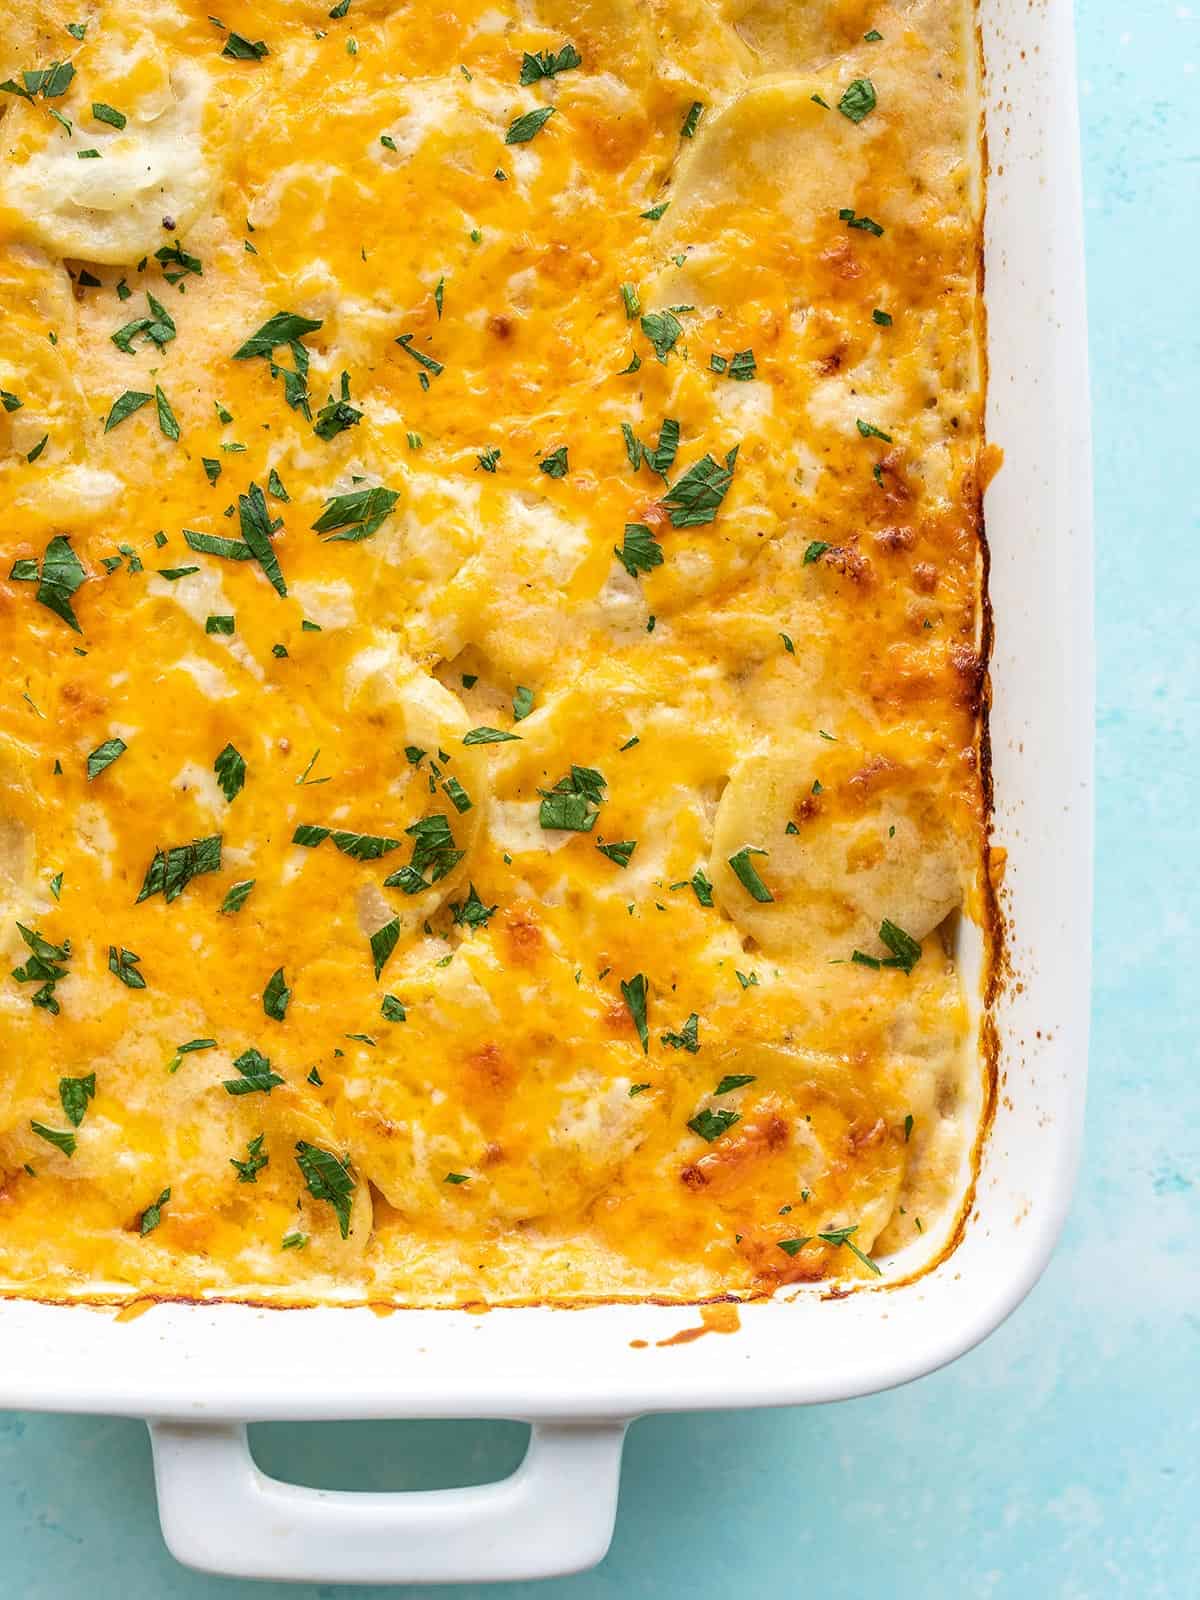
(198, 1373)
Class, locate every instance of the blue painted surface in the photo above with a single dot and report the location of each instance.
(1060, 1459)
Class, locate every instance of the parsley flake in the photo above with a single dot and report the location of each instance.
(634, 994)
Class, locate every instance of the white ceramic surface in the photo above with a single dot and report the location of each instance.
(198, 1372)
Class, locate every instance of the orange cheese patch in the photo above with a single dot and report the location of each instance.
(490, 617)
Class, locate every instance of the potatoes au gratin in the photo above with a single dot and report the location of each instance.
(491, 751)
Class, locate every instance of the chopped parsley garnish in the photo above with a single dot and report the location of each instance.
(256, 1074)
(882, 318)
(711, 1124)
(124, 406)
(176, 264)
(457, 795)
(573, 803)
(335, 416)
(555, 465)
(659, 459)
(152, 1215)
(426, 363)
(108, 114)
(276, 996)
(293, 1241)
(690, 122)
(75, 1094)
(10, 401)
(733, 1080)
(747, 875)
(619, 852)
(50, 82)
(237, 896)
(545, 64)
(230, 769)
(284, 328)
(329, 1178)
(434, 852)
(43, 966)
(865, 224)
(62, 576)
(663, 329)
(741, 365)
(688, 1037)
(489, 459)
(637, 1088)
(103, 756)
(170, 872)
(304, 781)
(186, 1049)
(357, 515)
(631, 300)
(123, 964)
(788, 644)
(655, 212)
(748, 980)
(526, 126)
(219, 625)
(522, 703)
(873, 37)
(485, 735)
(60, 1139)
(641, 551)
(633, 993)
(257, 527)
(256, 1160)
(702, 887)
(815, 551)
(238, 48)
(841, 1236)
(383, 941)
(158, 328)
(392, 1010)
(908, 1127)
(358, 846)
(697, 496)
(906, 951)
(471, 912)
(870, 431)
(859, 99)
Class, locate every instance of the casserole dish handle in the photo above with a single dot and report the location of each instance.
(553, 1515)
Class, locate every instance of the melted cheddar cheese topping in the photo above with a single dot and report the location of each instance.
(490, 751)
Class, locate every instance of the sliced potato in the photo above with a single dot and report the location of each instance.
(40, 374)
(416, 713)
(787, 36)
(772, 162)
(111, 208)
(850, 838)
(611, 35)
(536, 1115)
(804, 1126)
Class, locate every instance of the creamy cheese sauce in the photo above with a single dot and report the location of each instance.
(490, 751)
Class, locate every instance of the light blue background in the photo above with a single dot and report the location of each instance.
(1061, 1458)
